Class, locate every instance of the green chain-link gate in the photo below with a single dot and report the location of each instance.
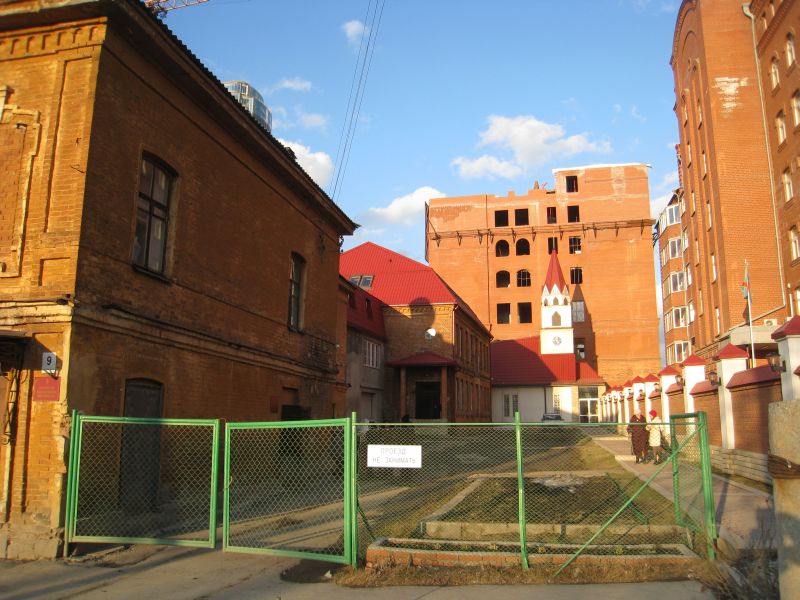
(317, 489)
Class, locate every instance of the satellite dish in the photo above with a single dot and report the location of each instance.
(430, 334)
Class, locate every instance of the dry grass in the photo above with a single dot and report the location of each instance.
(587, 571)
(751, 574)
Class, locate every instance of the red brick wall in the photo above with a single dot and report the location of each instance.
(751, 416)
(709, 403)
(616, 254)
(719, 115)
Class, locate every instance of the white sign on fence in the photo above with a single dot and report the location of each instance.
(394, 457)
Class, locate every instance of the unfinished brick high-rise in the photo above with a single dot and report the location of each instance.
(494, 251)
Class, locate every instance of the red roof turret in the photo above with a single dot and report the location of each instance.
(554, 277)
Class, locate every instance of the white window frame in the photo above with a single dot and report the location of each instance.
(775, 73)
(780, 127)
(557, 402)
(578, 311)
(794, 243)
(676, 282)
(674, 245)
(788, 186)
(713, 267)
(679, 316)
(791, 56)
(691, 312)
(796, 108)
(372, 354)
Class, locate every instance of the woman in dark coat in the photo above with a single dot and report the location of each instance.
(639, 435)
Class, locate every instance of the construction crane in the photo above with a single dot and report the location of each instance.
(161, 7)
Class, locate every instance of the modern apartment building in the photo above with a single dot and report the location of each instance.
(493, 251)
(252, 100)
(737, 161)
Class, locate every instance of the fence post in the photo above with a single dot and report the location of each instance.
(708, 486)
(676, 502)
(523, 532)
(212, 521)
(351, 477)
(70, 505)
(226, 498)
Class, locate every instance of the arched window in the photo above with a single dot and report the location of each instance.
(523, 278)
(501, 248)
(774, 73)
(503, 279)
(556, 320)
(796, 108)
(523, 247)
(790, 55)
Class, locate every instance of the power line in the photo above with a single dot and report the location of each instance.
(361, 72)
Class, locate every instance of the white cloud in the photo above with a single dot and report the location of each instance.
(485, 166)
(353, 30)
(295, 84)
(317, 164)
(535, 142)
(311, 120)
(405, 210)
(635, 114)
(668, 181)
(659, 203)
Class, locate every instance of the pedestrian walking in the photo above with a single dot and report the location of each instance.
(656, 430)
(637, 429)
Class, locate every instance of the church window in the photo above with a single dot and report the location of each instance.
(556, 320)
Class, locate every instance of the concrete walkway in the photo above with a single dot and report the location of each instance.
(744, 515)
(193, 574)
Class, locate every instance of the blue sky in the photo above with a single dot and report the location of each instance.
(463, 96)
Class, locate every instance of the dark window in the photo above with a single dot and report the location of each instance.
(580, 348)
(523, 247)
(501, 248)
(152, 216)
(503, 279)
(351, 300)
(520, 216)
(503, 313)
(551, 214)
(572, 183)
(575, 245)
(368, 305)
(524, 312)
(366, 281)
(573, 214)
(523, 278)
(552, 245)
(501, 218)
(354, 279)
(296, 291)
(576, 275)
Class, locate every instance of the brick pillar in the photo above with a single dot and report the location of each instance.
(730, 361)
(694, 371)
(788, 338)
(403, 410)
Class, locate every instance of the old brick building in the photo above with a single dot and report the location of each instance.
(491, 250)
(737, 164)
(436, 349)
(159, 250)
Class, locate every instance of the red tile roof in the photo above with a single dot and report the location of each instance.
(358, 317)
(751, 376)
(731, 351)
(587, 375)
(399, 280)
(651, 378)
(554, 275)
(702, 386)
(791, 327)
(422, 359)
(693, 361)
(519, 362)
(637, 379)
(627, 384)
(669, 371)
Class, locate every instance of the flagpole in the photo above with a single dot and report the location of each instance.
(750, 315)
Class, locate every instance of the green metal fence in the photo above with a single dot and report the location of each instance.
(530, 489)
(328, 489)
(287, 489)
(144, 481)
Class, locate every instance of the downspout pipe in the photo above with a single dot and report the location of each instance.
(752, 17)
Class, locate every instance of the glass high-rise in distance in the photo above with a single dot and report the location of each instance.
(251, 99)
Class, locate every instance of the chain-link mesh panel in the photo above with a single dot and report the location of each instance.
(451, 496)
(688, 482)
(145, 480)
(286, 488)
